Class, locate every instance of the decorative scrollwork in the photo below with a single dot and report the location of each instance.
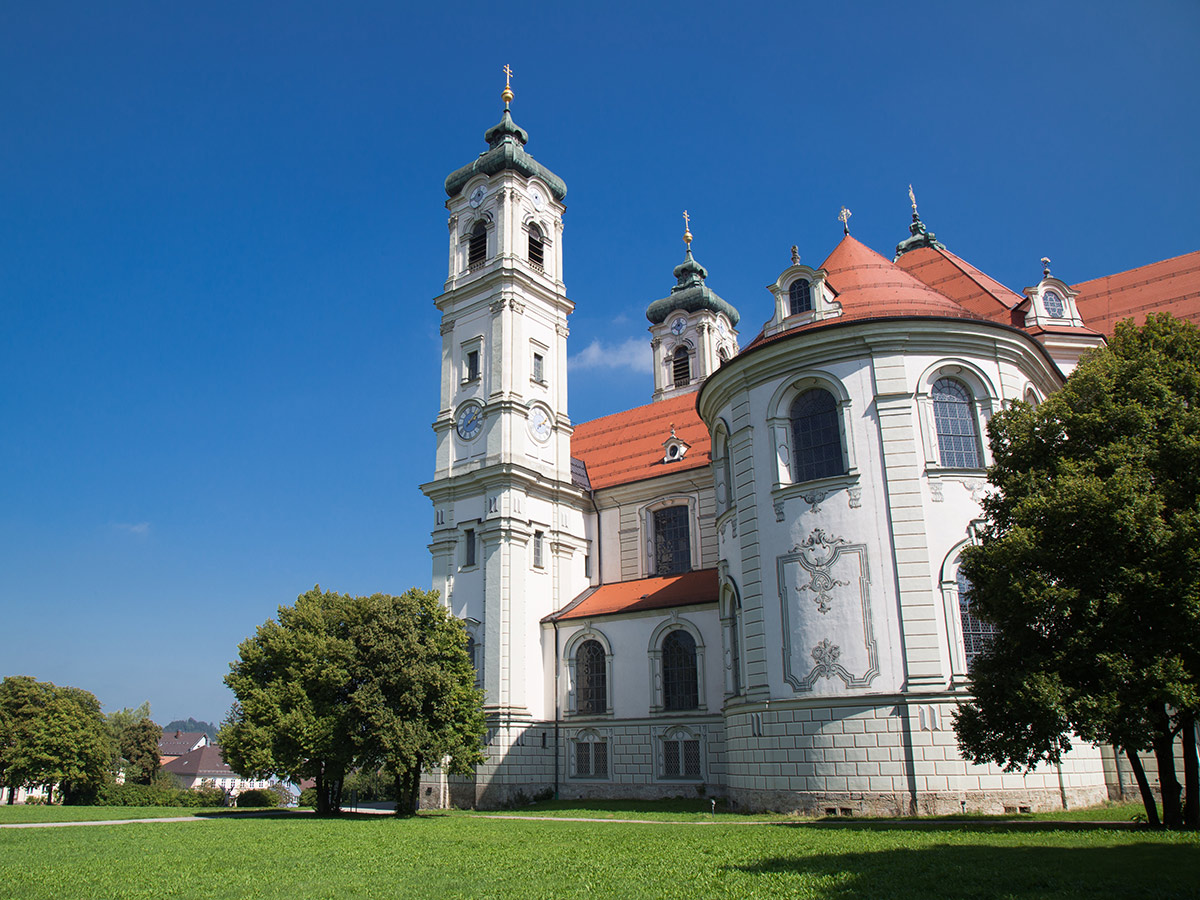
(826, 656)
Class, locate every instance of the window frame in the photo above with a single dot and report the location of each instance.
(815, 462)
(679, 738)
(655, 653)
(572, 685)
(590, 738)
(779, 425)
(806, 300)
(983, 399)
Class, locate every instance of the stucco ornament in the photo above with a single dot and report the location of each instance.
(826, 656)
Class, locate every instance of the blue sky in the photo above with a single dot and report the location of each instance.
(222, 224)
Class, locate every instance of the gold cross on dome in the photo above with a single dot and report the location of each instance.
(687, 229)
(844, 218)
(913, 198)
(507, 74)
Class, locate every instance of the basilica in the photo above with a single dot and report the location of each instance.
(748, 588)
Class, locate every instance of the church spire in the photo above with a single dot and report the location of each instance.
(919, 235)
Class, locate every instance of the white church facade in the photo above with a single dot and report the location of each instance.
(748, 588)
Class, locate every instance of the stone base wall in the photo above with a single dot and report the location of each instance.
(895, 758)
(898, 757)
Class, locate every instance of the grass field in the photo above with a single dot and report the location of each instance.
(19, 813)
(461, 855)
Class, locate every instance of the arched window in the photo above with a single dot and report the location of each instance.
(537, 248)
(976, 632)
(816, 436)
(591, 672)
(799, 297)
(954, 419)
(681, 367)
(680, 688)
(477, 245)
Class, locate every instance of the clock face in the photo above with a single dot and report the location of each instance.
(477, 196)
(678, 325)
(1054, 304)
(538, 200)
(470, 421)
(539, 423)
(721, 327)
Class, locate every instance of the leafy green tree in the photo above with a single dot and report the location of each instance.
(415, 693)
(340, 683)
(193, 725)
(51, 736)
(292, 716)
(1090, 567)
(134, 739)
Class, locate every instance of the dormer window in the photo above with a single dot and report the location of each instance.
(681, 367)
(799, 297)
(537, 248)
(1054, 305)
(477, 246)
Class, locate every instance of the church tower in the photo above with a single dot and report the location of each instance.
(693, 329)
(508, 539)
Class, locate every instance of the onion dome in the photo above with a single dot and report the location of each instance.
(690, 294)
(506, 142)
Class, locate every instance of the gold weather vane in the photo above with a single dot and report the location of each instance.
(844, 218)
(687, 234)
(508, 94)
(913, 198)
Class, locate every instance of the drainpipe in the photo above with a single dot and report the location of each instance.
(557, 709)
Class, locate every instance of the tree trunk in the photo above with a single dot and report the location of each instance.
(1148, 801)
(1164, 755)
(415, 799)
(12, 794)
(1191, 773)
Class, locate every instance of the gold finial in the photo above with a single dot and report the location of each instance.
(795, 255)
(508, 94)
(1045, 267)
(687, 234)
(913, 198)
(844, 218)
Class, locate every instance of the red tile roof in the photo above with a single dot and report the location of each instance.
(1172, 285)
(964, 284)
(871, 287)
(628, 446)
(645, 593)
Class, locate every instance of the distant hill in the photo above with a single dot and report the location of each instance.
(192, 725)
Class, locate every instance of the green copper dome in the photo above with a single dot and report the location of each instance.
(690, 294)
(506, 141)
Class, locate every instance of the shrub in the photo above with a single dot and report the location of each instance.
(308, 797)
(258, 797)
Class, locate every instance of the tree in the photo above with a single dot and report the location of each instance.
(341, 682)
(51, 736)
(193, 725)
(1089, 565)
(415, 694)
(134, 738)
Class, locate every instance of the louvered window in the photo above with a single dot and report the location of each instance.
(477, 246)
(681, 367)
(537, 248)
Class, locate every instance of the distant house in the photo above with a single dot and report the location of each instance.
(174, 744)
(207, 764)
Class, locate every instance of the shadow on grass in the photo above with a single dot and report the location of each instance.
(966, 823)
(956, 871)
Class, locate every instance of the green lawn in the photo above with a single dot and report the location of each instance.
(19, 813)
(457, 855)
